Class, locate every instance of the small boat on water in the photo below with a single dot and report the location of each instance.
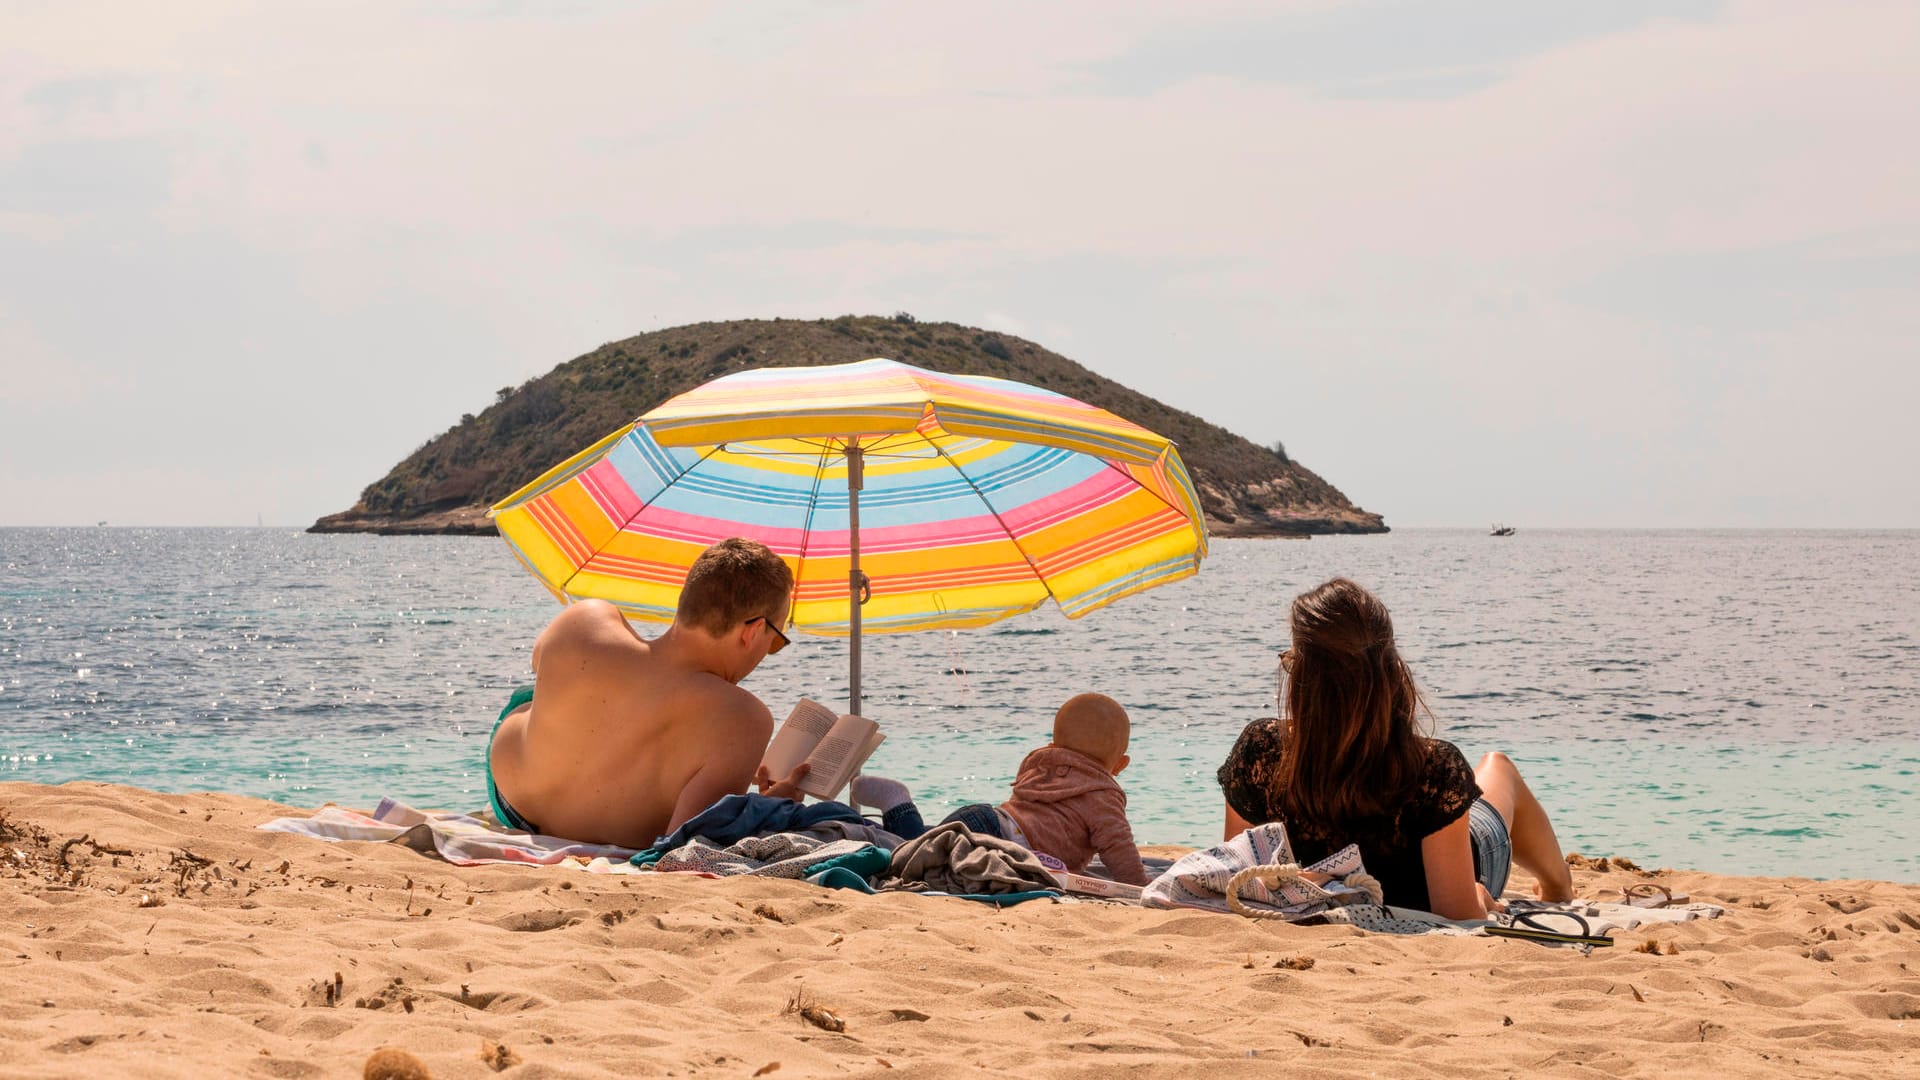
(1501, 530)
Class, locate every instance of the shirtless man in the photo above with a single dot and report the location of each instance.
(631, 737)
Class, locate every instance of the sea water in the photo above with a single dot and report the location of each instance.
(1742, 702)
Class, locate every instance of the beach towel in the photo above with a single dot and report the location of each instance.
(1618, 916)
(1385, 919)
(864, 831)
(736, 817)
(951, 859)
(1582, 924)
(460, 839)
(782, 855)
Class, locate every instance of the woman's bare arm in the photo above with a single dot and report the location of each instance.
(1451, 890)
(1235, 824)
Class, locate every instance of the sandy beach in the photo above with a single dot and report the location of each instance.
(163, 935)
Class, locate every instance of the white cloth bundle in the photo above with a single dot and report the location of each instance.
(1205, 879)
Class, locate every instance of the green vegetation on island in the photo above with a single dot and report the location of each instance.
(446, 485)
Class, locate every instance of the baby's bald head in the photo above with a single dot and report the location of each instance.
(1094, 725)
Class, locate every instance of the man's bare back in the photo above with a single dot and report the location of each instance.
(626, 738)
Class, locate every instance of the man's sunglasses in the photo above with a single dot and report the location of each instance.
(783, 641)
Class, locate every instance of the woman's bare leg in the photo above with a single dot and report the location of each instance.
(1535, 848)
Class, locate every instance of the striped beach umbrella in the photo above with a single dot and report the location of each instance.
(941, 500)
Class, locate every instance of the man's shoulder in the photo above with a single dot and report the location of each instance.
(589, 627)
(722, 702)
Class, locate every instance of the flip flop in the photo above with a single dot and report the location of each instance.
(1528, 926)
(1651, 894)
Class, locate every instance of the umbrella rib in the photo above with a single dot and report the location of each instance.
(806, 528)
(997, 519)
(872, 450)
(1115, 466)
(735, 450)
(705, 453)
(898, 438)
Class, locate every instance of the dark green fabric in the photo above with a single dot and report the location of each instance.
(502, 812)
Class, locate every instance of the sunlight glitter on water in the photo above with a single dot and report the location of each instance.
(1735, 701)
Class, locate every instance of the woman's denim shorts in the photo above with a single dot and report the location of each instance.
(1492, 846)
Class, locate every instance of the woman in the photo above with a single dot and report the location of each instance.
(1346, 765)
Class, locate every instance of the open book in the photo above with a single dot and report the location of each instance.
(835, 747)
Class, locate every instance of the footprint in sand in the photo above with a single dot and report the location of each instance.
(535, 921)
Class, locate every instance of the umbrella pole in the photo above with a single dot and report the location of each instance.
(856, 581)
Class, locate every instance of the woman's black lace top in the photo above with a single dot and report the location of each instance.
(1389, 845)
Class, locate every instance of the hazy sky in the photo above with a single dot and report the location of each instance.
(1554, 263)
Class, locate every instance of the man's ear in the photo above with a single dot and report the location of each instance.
(1121, 765)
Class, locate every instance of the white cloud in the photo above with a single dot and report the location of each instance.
(415, 198)
(33, 374)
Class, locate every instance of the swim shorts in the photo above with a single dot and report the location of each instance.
(502, 810)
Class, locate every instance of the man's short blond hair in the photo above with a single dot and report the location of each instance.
(1094, 725)
(734, 580)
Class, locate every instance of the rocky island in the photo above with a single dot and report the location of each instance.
(447, 484)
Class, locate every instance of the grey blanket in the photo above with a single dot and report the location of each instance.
(949, 858)
(782, 855)
(848, 830)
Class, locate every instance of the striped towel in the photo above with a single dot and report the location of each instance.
(458, 838)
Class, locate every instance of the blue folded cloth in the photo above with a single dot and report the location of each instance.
(841, 877)
(736, 817)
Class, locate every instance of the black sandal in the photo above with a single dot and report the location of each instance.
(1527, 926)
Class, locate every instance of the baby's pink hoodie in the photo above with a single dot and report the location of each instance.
(1072, 808)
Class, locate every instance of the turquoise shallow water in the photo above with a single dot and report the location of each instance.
(1745, 702)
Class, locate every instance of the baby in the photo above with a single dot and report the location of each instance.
(1065, 799)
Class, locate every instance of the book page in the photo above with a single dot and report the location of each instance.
(866, 751)
(840, 754)
(805, 727)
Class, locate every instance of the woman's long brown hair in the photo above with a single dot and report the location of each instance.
(1352, 752)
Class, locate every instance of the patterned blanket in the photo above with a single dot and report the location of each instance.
(460, 839)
